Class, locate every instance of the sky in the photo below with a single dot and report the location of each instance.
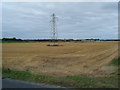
(75, 20)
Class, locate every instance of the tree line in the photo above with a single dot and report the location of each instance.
(51, 40)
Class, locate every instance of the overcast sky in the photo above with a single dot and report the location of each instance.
(31, 20)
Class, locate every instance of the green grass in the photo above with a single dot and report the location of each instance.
(115, 62)
(66, 81)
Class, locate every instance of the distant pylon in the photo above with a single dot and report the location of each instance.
(54, 30)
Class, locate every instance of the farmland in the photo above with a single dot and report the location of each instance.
(81, 58)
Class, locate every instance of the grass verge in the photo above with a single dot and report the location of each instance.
(66, 81)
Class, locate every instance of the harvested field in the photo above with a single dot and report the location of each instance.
(81, 58)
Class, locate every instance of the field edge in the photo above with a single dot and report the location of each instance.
(66, 81)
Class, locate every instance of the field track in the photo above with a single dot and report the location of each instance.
(81, 58)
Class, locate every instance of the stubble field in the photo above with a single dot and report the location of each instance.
(81, 58)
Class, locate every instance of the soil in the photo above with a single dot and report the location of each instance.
(68, 58)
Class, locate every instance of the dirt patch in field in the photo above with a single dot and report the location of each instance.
(87, 58)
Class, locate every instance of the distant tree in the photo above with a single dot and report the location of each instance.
(14, 38)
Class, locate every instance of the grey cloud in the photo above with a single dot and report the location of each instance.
(75, 20)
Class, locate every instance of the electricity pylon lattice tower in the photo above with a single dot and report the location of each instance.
(54, 29)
